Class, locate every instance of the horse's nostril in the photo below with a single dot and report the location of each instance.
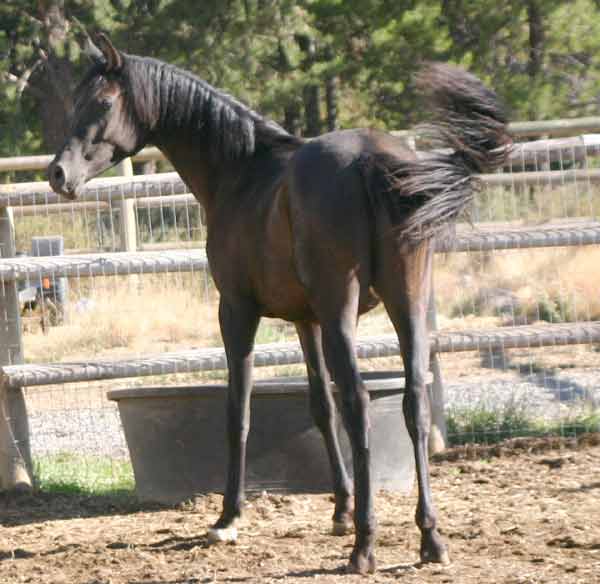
(57, 177)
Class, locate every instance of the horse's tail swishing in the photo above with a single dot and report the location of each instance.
(468, 130)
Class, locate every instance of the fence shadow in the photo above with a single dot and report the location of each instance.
(18, 509)
(194, 580)
(563, 390)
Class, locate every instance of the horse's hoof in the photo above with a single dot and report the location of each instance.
(361, 564)
(433, 548)
(342, 527)
(435, 557)
(222, 535)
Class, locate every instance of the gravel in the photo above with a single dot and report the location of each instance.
(81, 431)
(549, 396)
(544, 396)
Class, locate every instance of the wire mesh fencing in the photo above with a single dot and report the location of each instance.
(517, 302)
(532, 264)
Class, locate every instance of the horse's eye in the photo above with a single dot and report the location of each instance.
(106, 104)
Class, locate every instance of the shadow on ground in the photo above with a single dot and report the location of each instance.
(562, 389)
(39, 506)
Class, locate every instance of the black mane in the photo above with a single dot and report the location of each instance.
(170, 98)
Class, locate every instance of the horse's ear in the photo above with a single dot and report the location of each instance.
(92, 51)
(112, 57)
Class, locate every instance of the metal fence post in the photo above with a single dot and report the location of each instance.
(15, 455)
(438, 434)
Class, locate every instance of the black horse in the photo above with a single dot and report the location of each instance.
(315, 232)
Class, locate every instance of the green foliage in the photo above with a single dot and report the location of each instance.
(254, 49)
(83, 474)
(484, 425)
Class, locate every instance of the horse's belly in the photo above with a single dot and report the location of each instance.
(291, 302)
(283, 296)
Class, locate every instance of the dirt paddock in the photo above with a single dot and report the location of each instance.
(523, 513)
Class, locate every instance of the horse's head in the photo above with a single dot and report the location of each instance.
(104, 128)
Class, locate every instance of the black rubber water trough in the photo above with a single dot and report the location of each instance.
(177, 441)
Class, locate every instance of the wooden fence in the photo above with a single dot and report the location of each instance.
(15, 461)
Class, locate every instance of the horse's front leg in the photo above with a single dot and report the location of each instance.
(239, 321)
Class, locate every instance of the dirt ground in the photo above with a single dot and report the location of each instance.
(525, 512)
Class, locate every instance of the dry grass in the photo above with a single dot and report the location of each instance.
(80, 229)
(149, 314)
(116, 316)
(537, 204)
(560, 284)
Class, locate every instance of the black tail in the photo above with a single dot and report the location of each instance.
(469, 128)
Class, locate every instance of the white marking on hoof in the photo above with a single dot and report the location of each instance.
(223, 535)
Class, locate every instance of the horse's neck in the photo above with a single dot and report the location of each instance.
(187, 148)
(209, 179)
(192, 164)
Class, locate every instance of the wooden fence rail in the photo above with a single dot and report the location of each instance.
(103, 264)
(549, 128)
(158, 202)
(561, 150)
(277, 354)
(190, 260)
(41, 162)
(98, 189)
(166, 184)
(162, 185)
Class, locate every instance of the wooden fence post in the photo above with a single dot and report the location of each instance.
(15, 454)
(438, 433)
(127, 223)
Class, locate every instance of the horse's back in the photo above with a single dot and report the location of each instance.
(325, 172)
(342, 147)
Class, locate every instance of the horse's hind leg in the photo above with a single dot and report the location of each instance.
(323, 408)
(337, 312)
(338, 345)
(404, 285)
(239, 321)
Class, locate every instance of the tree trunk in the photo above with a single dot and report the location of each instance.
(536, 38)
(312, 92)
(312, 110)
(331, 99)
(54, 110)
(536, 49)
(50, 85)
(291, 120)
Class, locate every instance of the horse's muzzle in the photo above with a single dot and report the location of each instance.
(58, 179)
